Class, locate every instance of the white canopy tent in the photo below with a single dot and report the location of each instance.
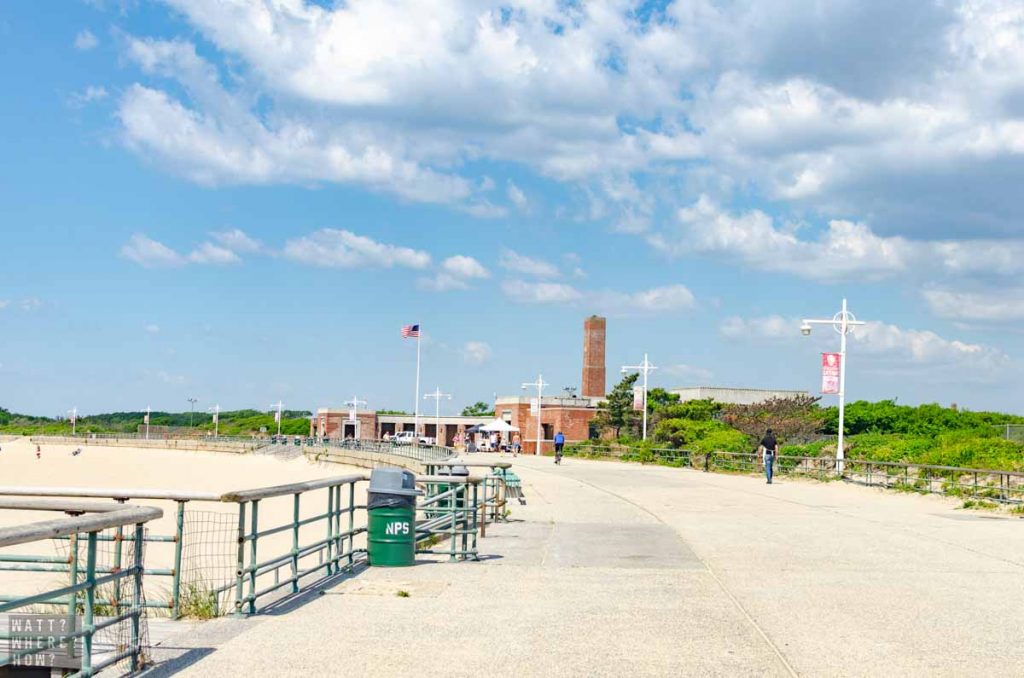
(499, 426)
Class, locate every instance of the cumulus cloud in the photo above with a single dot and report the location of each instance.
(917, 347)
(997, 305)
(516, 195)
(476, 353)
(85, 40)
(454, 274)
(208, 253)
(655, 300)
(150, 253)
(344, 249)
(843, 251)
(520, 264)
(88, 95)
(237, 240)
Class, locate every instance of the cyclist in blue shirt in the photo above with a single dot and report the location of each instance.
(559, 444)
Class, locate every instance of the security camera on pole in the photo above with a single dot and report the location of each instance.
(643, 368)
(843, 323)
(437, 395)
(539, 385)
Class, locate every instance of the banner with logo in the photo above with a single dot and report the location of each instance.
(831, 364)
(534, 406)
(638, 398)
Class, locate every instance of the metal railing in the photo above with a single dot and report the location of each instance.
(246, 444)
(449, 510)
(330, 550)
(89, 519)
(416, 451)
(994, 485)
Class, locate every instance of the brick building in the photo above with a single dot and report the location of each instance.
(370, 425)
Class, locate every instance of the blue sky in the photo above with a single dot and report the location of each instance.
(244, 201)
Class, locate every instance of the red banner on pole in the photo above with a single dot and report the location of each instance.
(831, 364)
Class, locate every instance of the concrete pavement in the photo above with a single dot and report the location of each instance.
(616, 569)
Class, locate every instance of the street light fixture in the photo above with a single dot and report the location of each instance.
(216, 420)
(192, 411)
(74, 418)
(539, 385)
(843, 323)
(643, 368)
(437, 396)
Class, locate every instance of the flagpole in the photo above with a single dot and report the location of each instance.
(416, 410)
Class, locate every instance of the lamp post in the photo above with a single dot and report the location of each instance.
(353, 410)
(74, 418)
(277, 416)
(149, 411)
(192, 411)
(437, 395)
(216, 420)
(539, 385)
(643, 368)
(842, 322)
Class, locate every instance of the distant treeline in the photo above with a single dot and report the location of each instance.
(234, 422)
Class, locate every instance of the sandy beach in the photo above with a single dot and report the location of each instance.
(209, 526)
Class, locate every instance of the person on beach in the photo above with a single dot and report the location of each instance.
(39, 452)
(769, 450)
(517, 445)
(559, 444)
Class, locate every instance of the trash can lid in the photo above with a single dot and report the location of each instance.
(393, 481)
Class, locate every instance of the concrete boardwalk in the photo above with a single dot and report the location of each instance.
(616, 569)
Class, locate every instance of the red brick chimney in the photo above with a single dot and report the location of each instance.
(593, 357)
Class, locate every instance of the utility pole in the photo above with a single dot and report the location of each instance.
(192, 411)
(437, 395)
(643, 368)
(539, 385)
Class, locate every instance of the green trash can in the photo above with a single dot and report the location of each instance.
(391, 528)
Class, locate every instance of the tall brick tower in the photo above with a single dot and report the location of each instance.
(593, 356)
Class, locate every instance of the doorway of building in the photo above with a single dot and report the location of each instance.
(350, 429)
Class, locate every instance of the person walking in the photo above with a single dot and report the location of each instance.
(559, 444)
(769, 450)
(517, 445)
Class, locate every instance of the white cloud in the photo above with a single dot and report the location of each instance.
(844, 251)
(476, 352)
(997, 305)
(464, 267)
(344, 249)
(519, 264)
(237, 240)
(516, 195)
(152, 329)
(149, 253)
(85, 40)
(655, 300)
(208, 253)
(87, 96)
(917, 347)
(30, 304)
(540, 292)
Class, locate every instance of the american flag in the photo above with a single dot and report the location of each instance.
(412, 331)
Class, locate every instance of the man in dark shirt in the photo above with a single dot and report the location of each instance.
(769, 449)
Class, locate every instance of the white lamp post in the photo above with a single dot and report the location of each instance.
(353, 410)
(149, 411)
(643, 368)
(539, 385)
(216, 420)
(842, 322)
(74, 418)
(437, 396)
(279, 405)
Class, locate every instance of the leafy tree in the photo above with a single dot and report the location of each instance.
(658, 398)
(403, 412)
(478, 409)
(795, 419)
(616, 413)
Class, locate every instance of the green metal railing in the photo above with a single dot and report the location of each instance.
(335, 547)
(171, 601)
(416, 451)
(449, 511)
(87, 519)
